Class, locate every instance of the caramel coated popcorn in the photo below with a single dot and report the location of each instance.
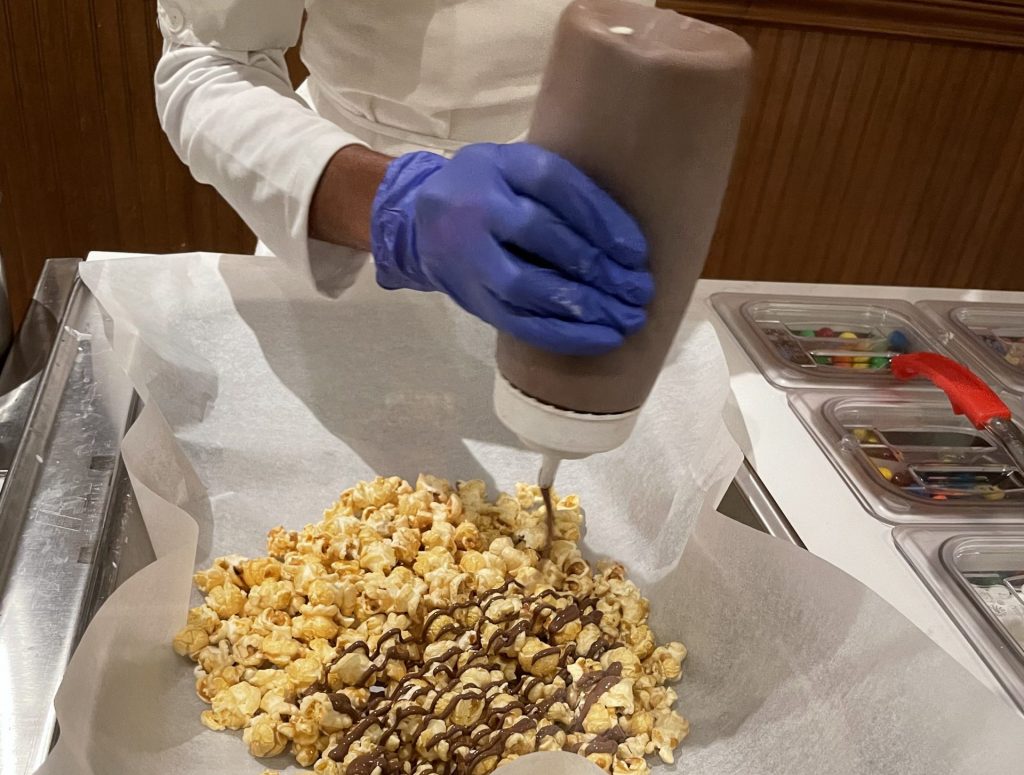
(419, 630)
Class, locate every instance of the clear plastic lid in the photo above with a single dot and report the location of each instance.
(978, 577)
(994, 576)
(804, 341)
(910, 459)
(990, 337)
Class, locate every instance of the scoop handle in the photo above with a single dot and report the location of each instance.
(966, 391)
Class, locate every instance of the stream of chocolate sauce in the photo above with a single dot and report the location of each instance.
(545, 493)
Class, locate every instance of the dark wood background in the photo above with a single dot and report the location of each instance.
(884, 144)
(85, 163)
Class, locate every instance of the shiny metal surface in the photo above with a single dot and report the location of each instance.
(748, 501)
(124, 546)
(1010, 436)
(23, 367)
(57, 537)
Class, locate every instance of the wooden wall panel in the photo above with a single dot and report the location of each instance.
(83, 162)
(870, 156)
(999, 22)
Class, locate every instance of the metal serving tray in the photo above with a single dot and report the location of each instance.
(988, 337)
(910, 459)
(802, 341)
(977, 575)
(70, 530)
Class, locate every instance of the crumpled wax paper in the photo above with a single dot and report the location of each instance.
(264, 401)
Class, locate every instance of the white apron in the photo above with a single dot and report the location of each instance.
(407, 74)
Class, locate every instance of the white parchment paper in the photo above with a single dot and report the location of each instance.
(264, 400)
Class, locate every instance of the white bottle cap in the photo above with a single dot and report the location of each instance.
(559, 432)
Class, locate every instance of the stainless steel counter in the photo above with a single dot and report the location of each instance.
(70, 531)
(64, 512)
(748, 501)
(26, 360)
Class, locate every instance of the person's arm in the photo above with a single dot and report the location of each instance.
(228, 108)
(514, 234)
(343, 200)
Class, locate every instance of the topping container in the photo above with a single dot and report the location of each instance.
(910, 459)
(799, 341)
(989, 337)
(978, 577)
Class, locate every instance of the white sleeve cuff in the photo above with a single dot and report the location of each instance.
(332, 268)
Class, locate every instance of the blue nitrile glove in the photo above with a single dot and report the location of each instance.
(518, 237)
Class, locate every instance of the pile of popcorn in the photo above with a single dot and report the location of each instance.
(425, 630)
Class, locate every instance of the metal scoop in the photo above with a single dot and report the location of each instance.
(968, 394)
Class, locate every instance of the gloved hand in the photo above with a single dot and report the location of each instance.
(519, 237)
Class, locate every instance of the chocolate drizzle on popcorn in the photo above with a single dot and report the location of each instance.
(482, 738)
(419, 630)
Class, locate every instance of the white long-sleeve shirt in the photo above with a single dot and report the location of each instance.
(396, 75)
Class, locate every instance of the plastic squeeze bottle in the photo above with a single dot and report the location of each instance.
(648, 103)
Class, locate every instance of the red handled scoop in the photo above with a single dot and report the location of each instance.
(968, 394)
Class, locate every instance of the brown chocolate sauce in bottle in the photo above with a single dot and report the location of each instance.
(648, 103)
